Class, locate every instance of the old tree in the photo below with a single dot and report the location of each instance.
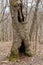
(23, 30)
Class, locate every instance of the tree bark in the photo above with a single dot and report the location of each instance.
(16, 9)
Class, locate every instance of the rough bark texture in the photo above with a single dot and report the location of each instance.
(20, 28)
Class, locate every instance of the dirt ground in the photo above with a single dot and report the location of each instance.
(24, 60)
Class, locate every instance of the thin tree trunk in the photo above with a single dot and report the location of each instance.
(34, 26)
(34, 19)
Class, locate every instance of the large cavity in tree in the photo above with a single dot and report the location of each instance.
(22, 48)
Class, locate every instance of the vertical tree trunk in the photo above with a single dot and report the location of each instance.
(2, 28)
(34, 26)
(14, 13)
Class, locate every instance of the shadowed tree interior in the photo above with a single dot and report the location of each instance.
(22, 48)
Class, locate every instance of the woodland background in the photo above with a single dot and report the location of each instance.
(6, 30)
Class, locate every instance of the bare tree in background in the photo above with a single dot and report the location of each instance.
(5, 20)
(34, 25)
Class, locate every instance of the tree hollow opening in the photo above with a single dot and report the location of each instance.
(22, 48)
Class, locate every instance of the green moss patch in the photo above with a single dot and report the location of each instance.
(30, 54)
(14, 3)
(13, 58)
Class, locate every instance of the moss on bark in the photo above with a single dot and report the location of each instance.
(14, 3)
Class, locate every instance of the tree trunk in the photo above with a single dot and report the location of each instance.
(34, 28)
(16, 10)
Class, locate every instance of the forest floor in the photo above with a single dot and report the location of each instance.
(24, 60)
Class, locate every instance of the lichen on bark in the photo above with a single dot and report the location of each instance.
(14, 3)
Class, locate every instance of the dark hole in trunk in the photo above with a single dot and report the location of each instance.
(22, 48)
